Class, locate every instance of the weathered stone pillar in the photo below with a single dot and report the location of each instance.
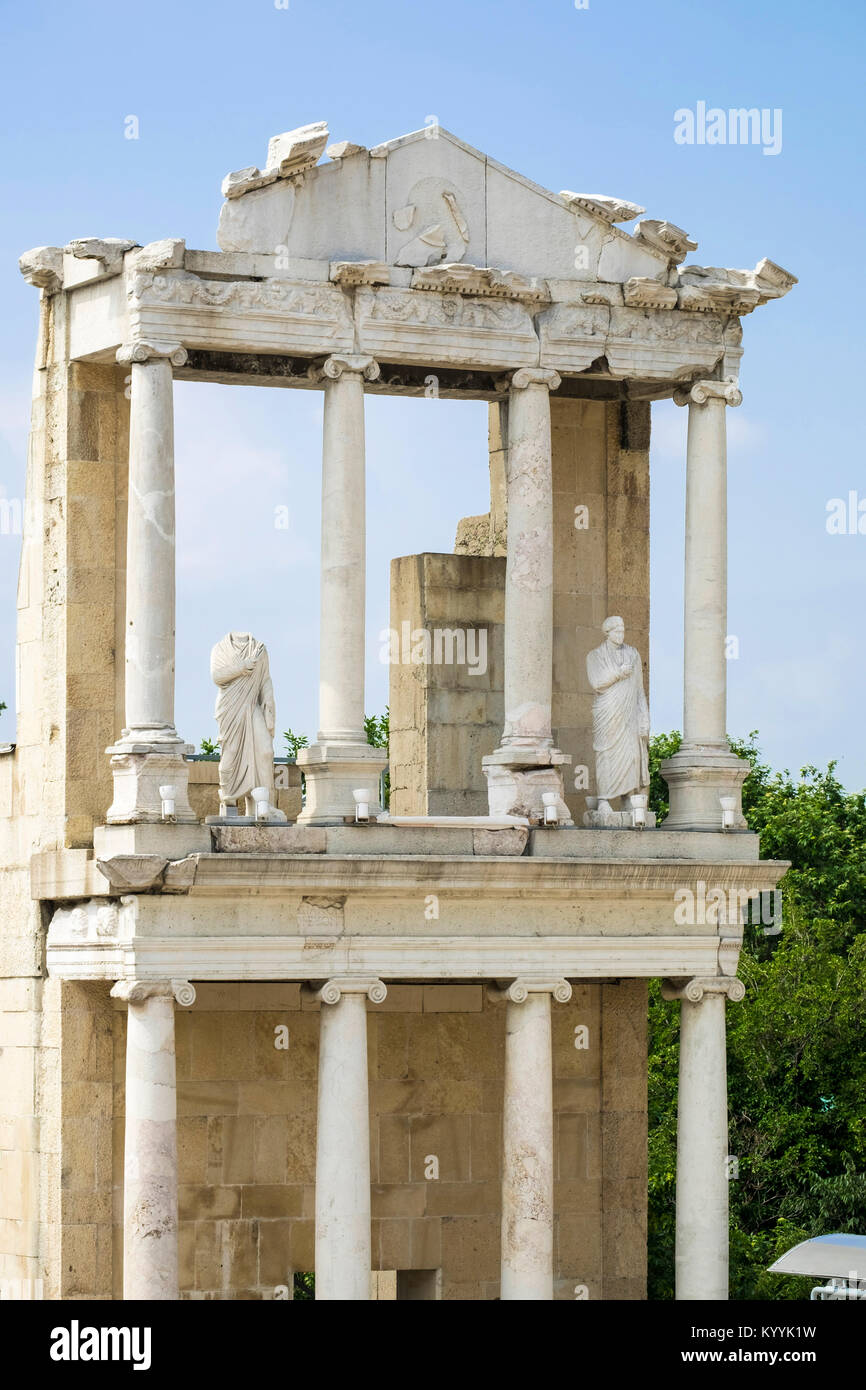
(527, 1139)
(702, 1137)
(704, 768)
(526, 762)
(150, 1146)
(341, 759)
(343, 1256)
(150, 751)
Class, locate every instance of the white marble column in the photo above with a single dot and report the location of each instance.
(526, 762)
(150, 1147)
(702, 1137)
(150, 751)
(341, 759)
(527, 1139)
(343, 1255)
(704, 768)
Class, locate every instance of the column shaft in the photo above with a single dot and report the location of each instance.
(702, 1149)
(706, 560)
(527, 1152)
(529, 570)
(341, 760)
(343, 1253)
(150, 1269)
(704, 770)
(343, 578)
(526, 764)
(150, 547)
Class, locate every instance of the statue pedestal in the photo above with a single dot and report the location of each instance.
(517, 779)
(617, 820)
(332, 772)
(139, 770)
(697, 776)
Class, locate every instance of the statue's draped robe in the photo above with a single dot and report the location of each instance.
(620, 722)
(246, 744)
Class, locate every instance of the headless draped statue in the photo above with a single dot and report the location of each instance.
(620, 717)
(246, 718)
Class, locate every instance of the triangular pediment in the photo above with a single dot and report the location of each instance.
(425, 199)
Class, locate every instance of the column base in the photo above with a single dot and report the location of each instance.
(517, 778)
(697, 776)
(332, 772)
(139, 770)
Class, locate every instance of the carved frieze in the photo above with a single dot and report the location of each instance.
(573, 336)
(458, 315)
(662, 342)
(95, 920)
(256, 315)
(431, 327)
(647, 342)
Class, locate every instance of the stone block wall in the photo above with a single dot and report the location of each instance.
(247, 1123)
(204, 788)
(600, 462)
(56, 783)
(445, 717)
(443, 720)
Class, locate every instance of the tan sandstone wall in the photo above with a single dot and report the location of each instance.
(446, 717)
(69, 679)
(601, 463)
(246, 1139)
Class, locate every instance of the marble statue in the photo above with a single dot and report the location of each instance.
(246, 717)
(620, 717)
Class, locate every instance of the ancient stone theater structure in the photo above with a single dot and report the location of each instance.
(244, 1040)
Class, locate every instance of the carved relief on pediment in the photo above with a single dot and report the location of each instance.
(435, 214)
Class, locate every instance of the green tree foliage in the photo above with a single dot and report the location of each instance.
(377, 727)
(796, 1062)
(293, 742)
(378, 731)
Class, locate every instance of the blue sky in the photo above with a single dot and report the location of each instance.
(580, 99)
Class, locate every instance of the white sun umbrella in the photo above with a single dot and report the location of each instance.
(826, 1257)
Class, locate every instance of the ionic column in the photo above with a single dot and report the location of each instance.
(343, 1255)
(702, 1137)
(704, 768)
(150, 750)
(150, 1146)
(527, 1139)
(527, 740)
(341, 759)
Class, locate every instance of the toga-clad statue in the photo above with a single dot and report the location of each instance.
(246, 717)
(620, 717)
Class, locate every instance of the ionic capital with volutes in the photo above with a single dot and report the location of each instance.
(535, 376)
(175, 353)
(341, 363)
(332, 992)
(694, 990)
(702, 391)
(134, 991)
(519, 990)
